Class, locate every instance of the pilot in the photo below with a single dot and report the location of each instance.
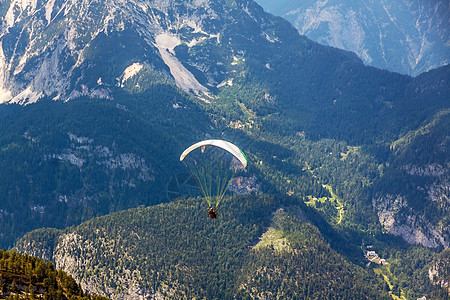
(212, 213)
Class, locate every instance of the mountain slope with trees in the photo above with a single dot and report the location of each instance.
(176, 251)
(147, 79)
(65, 163)
(26, 277)
(260, 246)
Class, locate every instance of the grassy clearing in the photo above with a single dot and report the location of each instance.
(382, 271)
(314, 202)
(273, 238)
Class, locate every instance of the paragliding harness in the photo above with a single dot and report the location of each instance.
(213, 169)
(212, 213)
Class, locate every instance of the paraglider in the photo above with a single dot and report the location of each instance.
(212, 213)
(213, 164)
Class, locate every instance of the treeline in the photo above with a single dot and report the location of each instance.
(27, 277)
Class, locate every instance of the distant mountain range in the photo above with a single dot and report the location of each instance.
(409, 37)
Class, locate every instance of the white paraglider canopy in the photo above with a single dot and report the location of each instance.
(213, 164)
(232, 148)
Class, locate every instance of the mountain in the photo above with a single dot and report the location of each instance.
(258, 247)
(409, 37)
(27, 277)
(181, 74)
(146, 79)
(178, 74)
(66, 49)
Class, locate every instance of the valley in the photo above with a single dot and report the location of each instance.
(93, 125)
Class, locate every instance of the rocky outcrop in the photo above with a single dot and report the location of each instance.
(439, 271)
(399, 219)
(84, 147)
(245, 185)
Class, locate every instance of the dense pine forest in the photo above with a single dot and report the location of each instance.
(26, 277)
(172, 250)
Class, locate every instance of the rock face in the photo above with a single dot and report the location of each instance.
(398, 216)
(409, 36)
(83, 147)
(399, 219)
(68, 48)
(439, 271)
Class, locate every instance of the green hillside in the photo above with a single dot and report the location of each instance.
(176, 251)
(27, 277)
(315, 121)
(63, 163)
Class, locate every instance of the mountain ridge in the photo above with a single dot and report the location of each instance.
(65, 54)
(409, 37)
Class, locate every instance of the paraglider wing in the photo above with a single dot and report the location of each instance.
(213, 163)
(232, 148)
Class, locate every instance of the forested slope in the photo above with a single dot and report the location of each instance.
(259, 246)
(63, 163)
(26, 277)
